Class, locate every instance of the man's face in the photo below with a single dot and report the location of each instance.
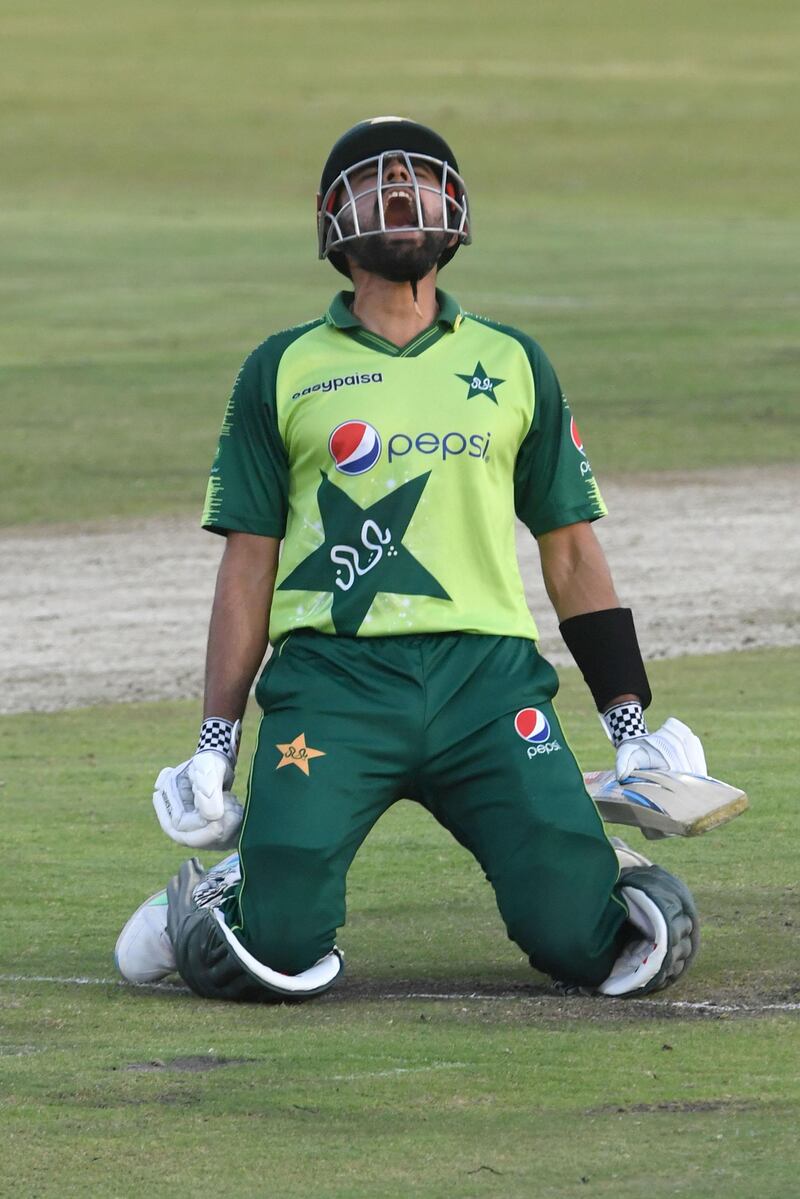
(403, 251)
(397, 196)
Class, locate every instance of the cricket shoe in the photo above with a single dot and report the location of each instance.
(144, 953)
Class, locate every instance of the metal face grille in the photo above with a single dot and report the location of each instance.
(346, 214)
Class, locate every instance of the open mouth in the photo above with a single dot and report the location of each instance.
(399, 209)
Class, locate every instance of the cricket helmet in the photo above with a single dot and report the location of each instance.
(371, 143)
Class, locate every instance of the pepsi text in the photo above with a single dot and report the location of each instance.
(449, 445)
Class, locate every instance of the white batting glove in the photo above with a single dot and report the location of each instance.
(180, 818)
(672, 747)
(212, 768)
(193, 801)
(209, 774)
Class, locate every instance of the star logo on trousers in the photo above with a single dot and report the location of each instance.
(481, 384)
(297, 753)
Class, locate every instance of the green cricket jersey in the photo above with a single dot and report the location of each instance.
(394, 474)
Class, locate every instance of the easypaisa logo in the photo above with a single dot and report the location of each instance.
(340, 381)
(534, 727)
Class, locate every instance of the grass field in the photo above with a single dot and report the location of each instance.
(634, 182)
(367, 1092)
(632, 175)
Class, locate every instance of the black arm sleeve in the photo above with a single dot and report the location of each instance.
(606, 649)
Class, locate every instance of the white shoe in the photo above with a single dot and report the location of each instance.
(626, 856)
(144, 952)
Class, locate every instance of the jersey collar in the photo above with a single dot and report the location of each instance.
(340, 315)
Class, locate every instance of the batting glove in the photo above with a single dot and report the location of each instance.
(212, 768)
(193, 801)
(672, 747)
(173, 800)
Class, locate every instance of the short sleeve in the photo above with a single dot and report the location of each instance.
(248, 485)
(553, 480)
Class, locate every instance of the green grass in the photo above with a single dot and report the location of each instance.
(354, 1095)
(631, 169)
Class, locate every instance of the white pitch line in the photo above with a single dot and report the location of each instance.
(707, 1005)
(701, 1005)
(91, 982)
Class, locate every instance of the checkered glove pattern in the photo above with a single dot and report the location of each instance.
(223, 736)
(624, 721)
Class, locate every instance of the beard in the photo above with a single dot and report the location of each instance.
(397, 260)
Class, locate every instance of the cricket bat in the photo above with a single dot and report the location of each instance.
(664, 803)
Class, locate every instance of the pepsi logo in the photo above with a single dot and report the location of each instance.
(355, 447)
(577, 440)
(532, 725)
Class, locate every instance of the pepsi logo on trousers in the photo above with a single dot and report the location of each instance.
(532, 725)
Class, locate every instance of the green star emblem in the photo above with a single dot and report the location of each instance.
(363, 554)
(481, 384)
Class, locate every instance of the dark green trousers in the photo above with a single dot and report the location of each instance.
(464, 725)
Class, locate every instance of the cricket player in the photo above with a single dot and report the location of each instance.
(385, 449)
